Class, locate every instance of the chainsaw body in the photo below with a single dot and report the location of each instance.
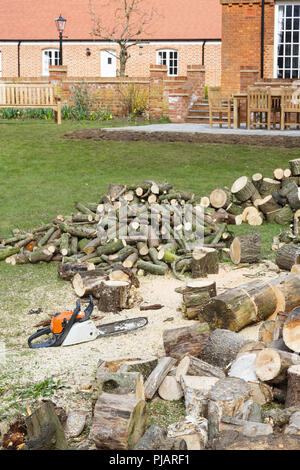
(68, 328)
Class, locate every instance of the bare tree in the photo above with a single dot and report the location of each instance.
(130, 20)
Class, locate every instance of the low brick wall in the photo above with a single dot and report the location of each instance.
(167, 96)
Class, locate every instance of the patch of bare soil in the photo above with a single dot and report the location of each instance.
(263, 140)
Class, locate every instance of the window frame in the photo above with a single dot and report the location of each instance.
(168, 60)
(50, 49)
(276, 43)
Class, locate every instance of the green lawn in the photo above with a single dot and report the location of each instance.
(42, 175)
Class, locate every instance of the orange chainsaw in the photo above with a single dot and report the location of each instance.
(68, 328)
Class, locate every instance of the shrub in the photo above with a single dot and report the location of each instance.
(83, 101)
(135, 99)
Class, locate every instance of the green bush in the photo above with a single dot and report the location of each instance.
(67, 113)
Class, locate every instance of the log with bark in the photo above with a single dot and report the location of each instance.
(195, 295)
(291, 330)
(246, 249)
(186, 340)
(271, 365)
(293, 386)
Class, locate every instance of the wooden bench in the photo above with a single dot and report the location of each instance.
(14, 95)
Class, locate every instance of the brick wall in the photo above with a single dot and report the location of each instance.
(241, 40)
(81, 65)
(169, 97)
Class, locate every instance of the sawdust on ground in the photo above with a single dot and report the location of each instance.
(75, 366)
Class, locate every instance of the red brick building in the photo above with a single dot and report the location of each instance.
(181, 33)
(260, 41)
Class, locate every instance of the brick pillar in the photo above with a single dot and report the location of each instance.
(158, 104)
(57, 74)
(195, 82)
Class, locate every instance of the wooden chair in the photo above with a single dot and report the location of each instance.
(259, 107)
(218, 106)
(290, 104)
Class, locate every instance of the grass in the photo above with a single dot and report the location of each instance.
(42, 175)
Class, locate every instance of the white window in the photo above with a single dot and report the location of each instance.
(169, 58)
(287, 40)
(50, 57)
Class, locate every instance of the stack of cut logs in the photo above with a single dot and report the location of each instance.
(88, 238)
(225, 381)
(256, 199)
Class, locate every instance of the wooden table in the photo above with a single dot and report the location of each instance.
(239, 97)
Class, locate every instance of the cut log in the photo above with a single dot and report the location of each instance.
(291, 330)
(238, 307)
(266, 331)
(268, 204)
(193, 430)
(271, 365)
(284, 216)
(112, 296)
(230, 395)
(293, 387)
(255, 219)
(278, 173)
(221, 347)
(287, 256)
(295, 166)
(67, 271)
(278, 325)
(151, 268)
(257, 179)
(40, 254)
(9, 252)
(119, 422)
(120, 383)
(187, 340)
(246, 249)
(294, 198)
(157, 376)
(243, 189)
(197, 294)
(220, 198)
(205, 261)
(170, 389)
(233, 440)
(44, 430)
(156, 438)
(194, 366)
(84, 283)
(248, 211)
(268, 186)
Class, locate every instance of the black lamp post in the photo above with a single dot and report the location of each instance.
(60, 24)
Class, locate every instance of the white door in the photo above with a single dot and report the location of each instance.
(108, 64)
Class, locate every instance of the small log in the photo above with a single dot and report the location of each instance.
(294, 198)
(243, 189)
(246, 249)
(186, 340)
(255, 220)
(291, 330)
(278, 173)
(295, 166)
(40, 254)
(268, 186)
(205, 261)
(248, 211)
(257, 179)
(44, 430)
(111, 247)
(120, 383)
(284, 215)
(170, 389)
(194, 366)
(112, 296)
(78, 231)
(12, 250)
(156, 438)
(157, 376)
(278, 325)
(119, 422)
(230, 395)
(293, 387)
(287, 256)
(266, 331)
(197, 294)
(151, 268)
(271, 365)
(268, 204)
(221, 347)
(67, 271)
(220, 198)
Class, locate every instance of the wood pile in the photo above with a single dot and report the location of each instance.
(225, 381)
(100, 235)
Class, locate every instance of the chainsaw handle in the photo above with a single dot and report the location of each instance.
(42, 332)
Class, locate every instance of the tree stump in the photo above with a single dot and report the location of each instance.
(246, 249)
(186, 340)
(204, 261)
(291, 330)
(268, 186)
(112, 296)
(271, 365)
(295, 166)
(293, 387)
(119, 422)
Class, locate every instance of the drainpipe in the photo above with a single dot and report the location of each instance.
(19, 62)
(262, 39)
(203, 51)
